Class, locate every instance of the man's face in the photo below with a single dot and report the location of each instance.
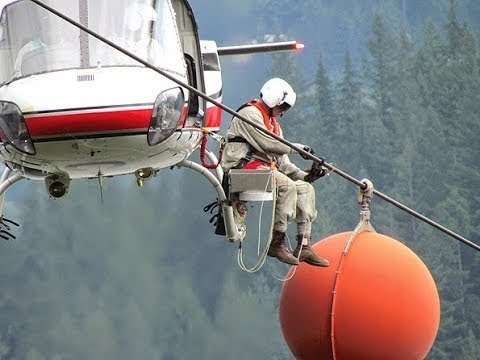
(279, 110)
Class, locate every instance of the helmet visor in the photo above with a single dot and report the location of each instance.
(283, 107)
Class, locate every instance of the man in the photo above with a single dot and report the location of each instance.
(250, 148)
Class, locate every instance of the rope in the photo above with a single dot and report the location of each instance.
(363, 199)
(263, 256)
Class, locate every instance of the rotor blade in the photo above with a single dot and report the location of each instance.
(259, 48)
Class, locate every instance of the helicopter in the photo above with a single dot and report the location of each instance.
(95, 89)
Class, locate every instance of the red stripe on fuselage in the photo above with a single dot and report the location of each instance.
(87, 122)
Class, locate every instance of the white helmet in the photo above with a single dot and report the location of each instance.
(277, 91)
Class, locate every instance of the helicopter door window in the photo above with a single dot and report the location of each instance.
(210, 62)
(147, 28)
(192, 80)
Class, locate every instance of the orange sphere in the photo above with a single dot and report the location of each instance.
(378, 301)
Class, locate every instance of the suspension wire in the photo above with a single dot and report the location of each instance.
(260, 128)
(263, 255)
(427, 220)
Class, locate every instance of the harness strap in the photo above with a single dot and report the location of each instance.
(270, 123)
(248, 157)
(237, 139)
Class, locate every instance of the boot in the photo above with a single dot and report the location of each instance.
(278, 249)
(307, 254)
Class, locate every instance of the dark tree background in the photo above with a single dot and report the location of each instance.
(388, 90)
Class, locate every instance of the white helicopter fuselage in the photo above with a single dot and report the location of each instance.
(73, 105)
(89, 121)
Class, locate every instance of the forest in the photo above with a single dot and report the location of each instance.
(387, 90)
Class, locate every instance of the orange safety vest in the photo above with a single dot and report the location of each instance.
(271, 124)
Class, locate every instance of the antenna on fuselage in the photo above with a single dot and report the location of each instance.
(100, 183)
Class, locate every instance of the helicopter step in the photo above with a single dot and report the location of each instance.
(244, 186)
(251, 185)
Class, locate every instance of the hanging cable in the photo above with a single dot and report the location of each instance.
(263, 255)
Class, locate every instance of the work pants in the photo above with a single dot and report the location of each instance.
(295, 202)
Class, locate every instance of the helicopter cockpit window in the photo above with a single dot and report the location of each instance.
(34, 41)
(146, 28)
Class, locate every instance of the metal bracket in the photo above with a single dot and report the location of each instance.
(364, 198)
(252, 185)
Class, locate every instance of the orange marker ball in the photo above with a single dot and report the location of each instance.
(378, 301)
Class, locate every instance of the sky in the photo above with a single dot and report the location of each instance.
(233, 27)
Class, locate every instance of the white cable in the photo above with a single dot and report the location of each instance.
(295, 267)
(263, 256)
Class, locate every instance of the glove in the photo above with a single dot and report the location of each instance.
(305, 148)
(309, 150)
(316, 172)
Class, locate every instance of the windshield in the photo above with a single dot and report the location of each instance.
(33, 40)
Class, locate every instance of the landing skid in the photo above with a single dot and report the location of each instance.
(245, 185)
(237, 187)
(6, 181)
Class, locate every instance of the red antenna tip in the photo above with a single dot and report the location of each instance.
(299, 46)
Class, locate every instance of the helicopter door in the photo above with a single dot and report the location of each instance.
(188, 35)
(213, 83)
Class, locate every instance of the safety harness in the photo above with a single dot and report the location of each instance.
(271, 123)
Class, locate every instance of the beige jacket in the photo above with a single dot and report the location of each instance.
(265, 147)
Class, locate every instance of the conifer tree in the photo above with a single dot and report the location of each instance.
(351, 117)
(380, 77)
(380, 70)
(323, 100)
(322, 120)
